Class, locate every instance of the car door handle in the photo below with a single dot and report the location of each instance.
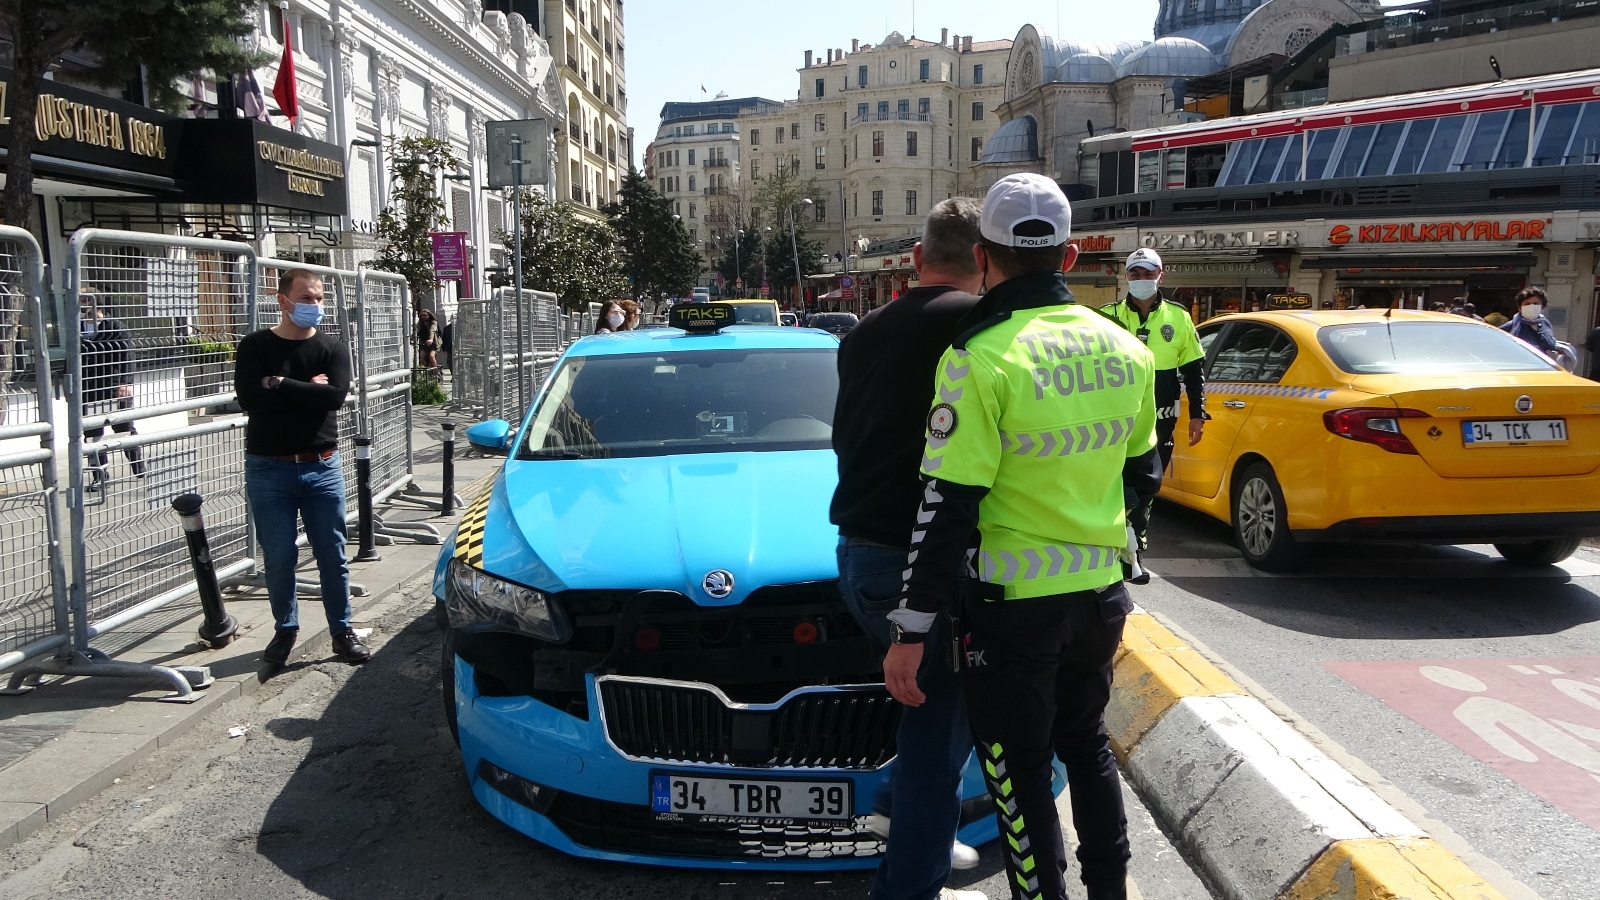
(1233, 404)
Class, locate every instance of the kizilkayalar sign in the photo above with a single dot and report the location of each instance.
(240, 161)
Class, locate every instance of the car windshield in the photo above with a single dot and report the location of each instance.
(1427, 348)
(696, 401)
(754, 314)
(833, 320)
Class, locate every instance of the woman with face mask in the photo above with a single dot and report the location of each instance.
(1530, 324)
(612, 318)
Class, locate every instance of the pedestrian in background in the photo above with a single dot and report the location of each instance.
(887, 367)
(612, 318)
(1531, 326)
(427, 340)
(634, 313)
(1165, 328)
(292, 380)
(447, 345)
(1043, 528)
(1593, 346)
(106, 348)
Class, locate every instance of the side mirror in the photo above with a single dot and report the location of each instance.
(492, 437)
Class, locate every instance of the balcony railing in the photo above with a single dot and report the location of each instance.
(577, 194)
(716, 191)
(718, 163)
(612, 155)
(891, 116)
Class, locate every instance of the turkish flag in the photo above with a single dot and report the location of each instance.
(286, 90)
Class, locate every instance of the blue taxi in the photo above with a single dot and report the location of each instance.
(647, 659)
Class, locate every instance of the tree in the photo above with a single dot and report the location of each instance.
(657, 254)
(778, 200)
(568, 255)
(163, 39)
(782, 256)
(746, 263)
(417, 210)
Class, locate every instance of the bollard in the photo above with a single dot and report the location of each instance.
(447, 503)
(219, 628)
(368, 546)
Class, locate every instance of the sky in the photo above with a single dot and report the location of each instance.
(753, 48)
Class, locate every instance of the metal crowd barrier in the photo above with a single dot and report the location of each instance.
(34, 616)
(492, 379)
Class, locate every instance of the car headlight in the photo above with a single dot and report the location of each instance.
(476, 600)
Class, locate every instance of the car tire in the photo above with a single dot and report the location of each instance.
(447, 682)
(1545, 552)
(1261, 522)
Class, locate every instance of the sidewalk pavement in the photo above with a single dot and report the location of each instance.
(67, 740)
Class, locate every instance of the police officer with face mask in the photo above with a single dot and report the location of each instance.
(1164, 327)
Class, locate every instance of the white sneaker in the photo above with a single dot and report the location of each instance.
(949, 894)
(963, 857)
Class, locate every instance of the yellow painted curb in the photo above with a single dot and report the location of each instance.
(1392, 869)
(1143, 632)
(1147, 683)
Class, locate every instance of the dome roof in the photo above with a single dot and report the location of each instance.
(1170, 56)
(1085, 68)
(1017, 141)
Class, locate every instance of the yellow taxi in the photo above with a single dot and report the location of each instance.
(1410, 427)
(754, 311)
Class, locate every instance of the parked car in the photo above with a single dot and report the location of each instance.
(646, 656)
(1399, 426)
(788, 319)
(754, 311)
(835, 323)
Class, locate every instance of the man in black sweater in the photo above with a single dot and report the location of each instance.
(106, 346)
(293, 380)
(886, 382)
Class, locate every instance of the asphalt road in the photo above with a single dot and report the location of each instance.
(1468, 686)
(346, 785)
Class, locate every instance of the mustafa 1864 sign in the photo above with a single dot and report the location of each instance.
(81, 126)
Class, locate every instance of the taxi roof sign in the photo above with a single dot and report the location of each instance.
(702, 318)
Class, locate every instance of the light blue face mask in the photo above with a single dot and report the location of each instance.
(307, 315)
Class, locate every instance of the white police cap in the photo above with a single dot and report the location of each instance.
(1026, 197)
(1144, 258)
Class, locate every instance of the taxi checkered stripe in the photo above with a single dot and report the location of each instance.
(1269, 390)
(1019, 855)
(469, 537)
(1067, 441)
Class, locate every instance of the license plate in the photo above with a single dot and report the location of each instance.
(1515, 431)
(737, 800)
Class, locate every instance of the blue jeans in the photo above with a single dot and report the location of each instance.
(923, 787)
(314, 491)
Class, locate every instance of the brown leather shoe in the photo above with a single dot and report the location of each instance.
(349, 648)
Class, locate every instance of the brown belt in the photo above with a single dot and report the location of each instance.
(304, 457)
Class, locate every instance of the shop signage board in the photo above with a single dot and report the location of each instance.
(81, 126)
(1221, 240)
(246, 161)
(1450, 232)
(1095, 243)
(1257, 268)
(449, 254)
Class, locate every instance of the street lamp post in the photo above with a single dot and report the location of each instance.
(794, 247)
(516, 187)
(738, 269)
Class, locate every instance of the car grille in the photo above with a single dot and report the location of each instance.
(625, 828)
(840, 728)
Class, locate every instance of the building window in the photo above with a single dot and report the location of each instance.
(877, 203)
(977, 112)
(911, 203)
(977, 74)
(692, 213)
(861, 112)
(755, 137)
(904, 108)
(819, 123)
(794, 165)
(820, 89)
(691, 183)
(777, 135)
(822, 210)
(911, 143)
(951, 151)
(977, 148)
(922, 70)
(663, 185)
(923, 106)
(883, 110)
(755, 169)
(691, 156)
(822, 157)
(794, 131)
(861, 76)
(877, 143)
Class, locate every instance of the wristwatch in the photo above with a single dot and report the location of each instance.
(898, 635)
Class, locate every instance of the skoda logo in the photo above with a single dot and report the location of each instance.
(718, 583)
(1524, 404)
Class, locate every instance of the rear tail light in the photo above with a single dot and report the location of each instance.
(1374, 426)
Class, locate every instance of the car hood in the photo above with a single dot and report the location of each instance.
(664, 523)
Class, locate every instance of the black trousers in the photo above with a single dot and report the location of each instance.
(1038, 678)
(134, 455)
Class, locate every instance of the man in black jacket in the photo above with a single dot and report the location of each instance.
(293, 380)
(106, 346)
(886, 378)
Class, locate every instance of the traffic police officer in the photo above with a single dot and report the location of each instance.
(1164, 327)
(1044, 411)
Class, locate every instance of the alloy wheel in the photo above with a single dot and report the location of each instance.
(1258, 517)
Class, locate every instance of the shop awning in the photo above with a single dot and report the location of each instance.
(1399, 263)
